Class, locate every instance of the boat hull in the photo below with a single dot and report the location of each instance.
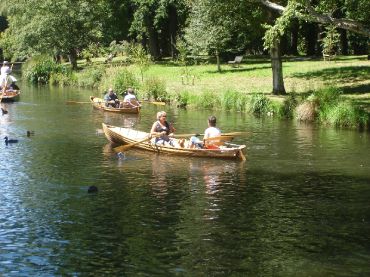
(99, 103)
(10, 96)
(120, 135)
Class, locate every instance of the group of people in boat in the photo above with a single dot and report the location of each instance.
(7, 81)
(162, 133)
(129, 100)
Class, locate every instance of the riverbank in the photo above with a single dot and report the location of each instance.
(245, 88)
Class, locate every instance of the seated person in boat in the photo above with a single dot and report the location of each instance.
(162, 131)
(211, 132)
(111, 99)
(130, 98)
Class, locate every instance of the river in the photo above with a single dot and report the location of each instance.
(298, 206)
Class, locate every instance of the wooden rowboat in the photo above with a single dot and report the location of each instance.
(99, 104)
(10, 95)
(120, 135)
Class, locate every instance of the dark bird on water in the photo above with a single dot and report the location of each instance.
(30, 133)
(92, 189)
(7, 140)
(4, 111)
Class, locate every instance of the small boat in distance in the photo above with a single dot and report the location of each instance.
(9, 95)
(121, 135)
(99, 103)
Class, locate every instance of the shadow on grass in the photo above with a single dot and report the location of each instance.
(237, 69)
(342, 74)
(360, 89)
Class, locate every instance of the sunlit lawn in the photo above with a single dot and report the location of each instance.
(301, 75)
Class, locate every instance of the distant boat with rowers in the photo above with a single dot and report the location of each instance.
(124, 107)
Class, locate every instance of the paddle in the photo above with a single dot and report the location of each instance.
(126, 147)
(2, 94)
(76, 102)
(154, 102)
(197, 135)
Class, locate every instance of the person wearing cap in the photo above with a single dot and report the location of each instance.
(111, 99)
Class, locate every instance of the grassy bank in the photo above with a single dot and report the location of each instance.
(246, 88)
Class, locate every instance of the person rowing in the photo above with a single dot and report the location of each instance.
(162, 131)
(130, 98)
(211, 132)
(111, 99)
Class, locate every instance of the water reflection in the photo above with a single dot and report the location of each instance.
(298, 204)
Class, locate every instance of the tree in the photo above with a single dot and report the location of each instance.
(156, 23)
(61, 27)
(321, 13)
(218, 26)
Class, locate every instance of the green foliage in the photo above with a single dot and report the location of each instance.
(259, 104)
(330, 41)
(233, 100)
(181, 98)
(39, 69)
(63, 78)
(140, 57)
(93, 50)
(344, 114)
(155, 88)
(120, 78)
(289, 105)
(52, 27)
(205, 100)
(90, 76)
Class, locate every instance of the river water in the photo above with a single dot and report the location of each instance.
(299, 205)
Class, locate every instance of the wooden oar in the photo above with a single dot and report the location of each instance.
(76, 102)
(126, 147)
(197, 135)
(154, 102)
(2, 94)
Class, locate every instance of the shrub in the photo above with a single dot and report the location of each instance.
(306, 111)
(206, 100)
(91, 76)
(119, 78)
(155, 88)
(289, 105)
(233, 100)
(259, 104)
(345, 114)
(181, 98)
(38, 69)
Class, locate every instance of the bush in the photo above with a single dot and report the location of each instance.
(233, 100)
(289, 105)
(91, 76)
(206, 100)
(259, 104)
(118, 78)
(155, 88)
(306, 111)
(38, 69)
(345, 114)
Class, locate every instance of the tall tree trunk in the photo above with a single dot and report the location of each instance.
(343, 41)
(218, 61)
(277, 69)
(152, 38)
(294, 37)
(311, 38)
(72, 56)
(173, 25)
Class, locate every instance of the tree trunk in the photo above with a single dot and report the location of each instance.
(173, 25)
(218, 61)
(277, 69)
(294, 37)
(72, 56)
(311, 38)
(343, 42)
